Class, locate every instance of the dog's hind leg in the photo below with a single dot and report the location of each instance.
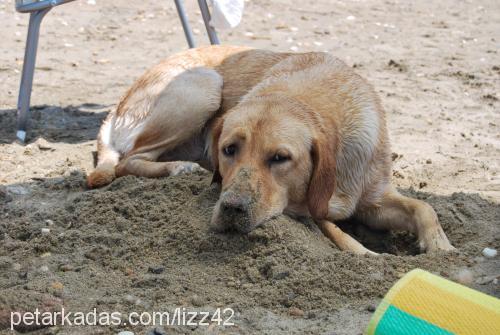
(181, 111)
(180, 114)
(107, 158)
(175, 116)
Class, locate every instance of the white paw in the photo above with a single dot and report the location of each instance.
(185, 167)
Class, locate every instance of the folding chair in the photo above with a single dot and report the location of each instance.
(37, 10)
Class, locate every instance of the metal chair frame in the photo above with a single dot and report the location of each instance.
(37, 11)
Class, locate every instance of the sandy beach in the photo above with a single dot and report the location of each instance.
(143, 244)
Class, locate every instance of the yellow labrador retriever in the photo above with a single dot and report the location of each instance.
(299, 134)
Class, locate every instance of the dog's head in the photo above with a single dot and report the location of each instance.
(271, 154)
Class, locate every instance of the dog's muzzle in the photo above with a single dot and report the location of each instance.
(235, 211)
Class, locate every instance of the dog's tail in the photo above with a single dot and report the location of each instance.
(107, 158)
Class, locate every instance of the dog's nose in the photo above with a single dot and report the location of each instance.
(235, 204)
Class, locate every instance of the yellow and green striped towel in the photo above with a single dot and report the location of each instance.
(421, 303)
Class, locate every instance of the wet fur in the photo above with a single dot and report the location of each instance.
(192, 105)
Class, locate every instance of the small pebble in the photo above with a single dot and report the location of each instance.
(45, 231)
(156, 269)
(49, 222)
(294, 311)
(489, 253)
(57, 285)
(45, 255)
(130, 298)
(44, 144)
(371, 308)
(44, 268)
(125, 332)
(464, 276)
(196, 301)
(157, 331)
(66, 268)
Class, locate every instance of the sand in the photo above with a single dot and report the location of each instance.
(144, 244)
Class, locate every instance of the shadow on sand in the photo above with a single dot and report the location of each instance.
(69, 124)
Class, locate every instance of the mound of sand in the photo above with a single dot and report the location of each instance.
(144, 244)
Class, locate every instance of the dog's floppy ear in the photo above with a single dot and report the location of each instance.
(322, 183)
(214, 149)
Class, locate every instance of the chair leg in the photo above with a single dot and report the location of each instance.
(185, 23)
(23, 102)
(205, 13)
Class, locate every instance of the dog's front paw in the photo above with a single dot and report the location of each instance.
(435, 241)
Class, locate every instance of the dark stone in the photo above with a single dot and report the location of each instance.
(156, 269)
(156, 331)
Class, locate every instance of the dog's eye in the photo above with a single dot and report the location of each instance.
(279, 158)
(230, 150)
